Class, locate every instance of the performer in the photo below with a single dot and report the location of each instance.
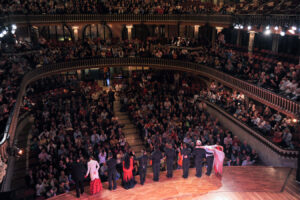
(128, 179)
(199, 154)
(78, 171)
(170, 154)
(111, 171)
(93, 167)
(143, 159)
(214, 157)
(156, 156)
(186, 153)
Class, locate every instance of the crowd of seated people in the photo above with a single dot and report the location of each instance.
(163, 107)
(72, 119)
(283, 79)
(132, 7)
(277, 127)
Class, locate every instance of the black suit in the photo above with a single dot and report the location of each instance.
(78, 172)
(156, 156)
(170, 154)
(112, 172)
(186, 153)
(199, 154)
(142, 168)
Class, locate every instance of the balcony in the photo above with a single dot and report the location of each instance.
(213, 19)
(266, 97)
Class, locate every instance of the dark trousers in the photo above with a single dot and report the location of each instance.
(169, 168)
(210, 162)
(142, 172)
(198, 164)
(156, 169)
(112, 180)
(185, 167)
(79, 185)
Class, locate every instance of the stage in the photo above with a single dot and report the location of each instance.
(252, 182)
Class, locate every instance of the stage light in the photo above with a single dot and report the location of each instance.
(276, 28)
(1, 35)
(282, 33)
(292, 31)
(14, 27)
(4, 32)
(267, 32)
(20, 152)
(268, 27)
(249, 28)
(13, 31)
(241, 26)
(294, 120)
(294, 28)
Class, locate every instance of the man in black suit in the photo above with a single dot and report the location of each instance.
(156, 156)
(111, 171)
(78, 172)
(143, 159)
(199, 154)
(170, 156)
(186, 154)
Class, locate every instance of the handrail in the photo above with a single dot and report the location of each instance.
(287, 106)
(224, 19)
(72, 18)
(254, 133)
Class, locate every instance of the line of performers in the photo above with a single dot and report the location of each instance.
(214, 157)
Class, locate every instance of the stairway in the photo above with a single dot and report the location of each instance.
(131, 132)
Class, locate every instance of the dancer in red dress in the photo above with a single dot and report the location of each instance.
(95, 185)
(128, 178)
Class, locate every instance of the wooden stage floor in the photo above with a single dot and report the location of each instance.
(240, 183)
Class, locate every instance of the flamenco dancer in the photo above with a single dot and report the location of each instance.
(93, 167)
(214, 157)
(128, 178)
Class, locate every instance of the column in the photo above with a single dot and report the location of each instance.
(75, 32)
(251, 41)
(238, 38)
(275, 43)
(196, 31)
(129, 31)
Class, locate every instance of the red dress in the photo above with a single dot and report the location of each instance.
(128, 178)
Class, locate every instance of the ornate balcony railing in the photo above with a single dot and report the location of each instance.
(266, 97)
(225, 20)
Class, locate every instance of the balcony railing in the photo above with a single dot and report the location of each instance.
(271, 99)
(224, 20)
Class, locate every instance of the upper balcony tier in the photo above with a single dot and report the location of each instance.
(212, 19)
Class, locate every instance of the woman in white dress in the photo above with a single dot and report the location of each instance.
(93, 167)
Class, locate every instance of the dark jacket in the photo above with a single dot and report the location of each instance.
(78, 171)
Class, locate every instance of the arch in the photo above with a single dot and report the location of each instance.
(93, 31)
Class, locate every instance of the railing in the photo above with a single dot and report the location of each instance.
(255, 134)
(253, 19)
(271, 99)
(71, 18)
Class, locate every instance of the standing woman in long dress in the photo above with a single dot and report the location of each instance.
(218, 157)
(93, 167)
(128, 178)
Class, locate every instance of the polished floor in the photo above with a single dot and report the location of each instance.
(240, 183)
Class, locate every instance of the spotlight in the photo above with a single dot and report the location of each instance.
(241, 26)
(276, 28)
(20, 152)
(294, 120)
(267, 32)
(282, 33)
(292, 31)
(249, 28)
